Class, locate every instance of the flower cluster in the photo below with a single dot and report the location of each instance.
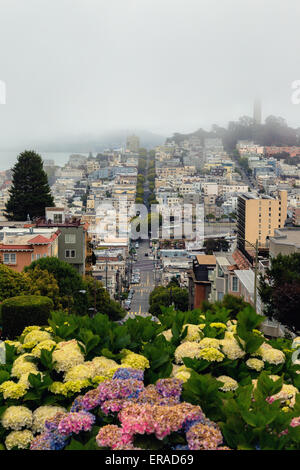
(187, 349)
(270, 355)
(194, 332)
(155, 409)
(19, 439)
(211, 354)
(43, 413)
(255, 364)
(16, 418)
(36, 336)
(229, 384)
(136, 361)
(67, 354)
(75, 422)
(11, 389)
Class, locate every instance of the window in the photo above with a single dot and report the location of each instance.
(9, 258)
(234, 284)
(38, 256)
(220, 296)
(70, 238)
(57, 218)
(70, 253)
(220, 272)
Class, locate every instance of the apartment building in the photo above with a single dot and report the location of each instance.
(258, 217)
(72, 242)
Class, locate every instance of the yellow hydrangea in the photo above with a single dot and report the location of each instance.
(12, 390)
(188, 349)
(80, 372)
(20, 368)
(229, 384)
(98, 379)
(41, 414)
(69, 388)
(19, 439)
(16, 344)
(36, 336)
(182, 373)
(24, 378)
(231, 349)
(30, 328)
(48, 345)
(67, 354)
(272, 356)
(256, 364)
(218, 325)
(167, 334)
(103, 365)
(194, 332)
(29, 345)
(16, 418)
(209, 343)
(296, 342)
(211, 354)
(136, 361)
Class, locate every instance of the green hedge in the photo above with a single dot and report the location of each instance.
(24, 310)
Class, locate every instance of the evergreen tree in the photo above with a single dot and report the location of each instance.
(30, 191)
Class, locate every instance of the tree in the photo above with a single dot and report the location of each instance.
(12, 283)
(30, 191)
(97, 297)
(69, 281)
(166, 296)
(279, 290)
(43, 283)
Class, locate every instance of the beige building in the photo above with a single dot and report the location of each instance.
(285, 241)
(258, 217)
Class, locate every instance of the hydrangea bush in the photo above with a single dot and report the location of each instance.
(79, 381)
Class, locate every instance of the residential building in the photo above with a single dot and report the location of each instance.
(72, 242)
(19, 247)
(258, 217)
(200, 280)
(285, 241)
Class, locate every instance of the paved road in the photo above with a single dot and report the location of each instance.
(140, 301)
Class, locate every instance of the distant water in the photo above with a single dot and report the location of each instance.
(8, 159)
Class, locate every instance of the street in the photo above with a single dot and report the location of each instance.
(140, 301)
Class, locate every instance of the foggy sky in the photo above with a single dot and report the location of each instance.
(86, 66)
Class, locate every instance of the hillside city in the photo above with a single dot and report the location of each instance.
(247, 197)
(150, 296)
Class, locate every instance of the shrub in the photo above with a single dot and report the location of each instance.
(12, 283)
(19, 312)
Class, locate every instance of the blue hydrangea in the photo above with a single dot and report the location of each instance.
(129, 373)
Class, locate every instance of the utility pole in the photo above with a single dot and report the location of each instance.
(106, 274)
(255, 275)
